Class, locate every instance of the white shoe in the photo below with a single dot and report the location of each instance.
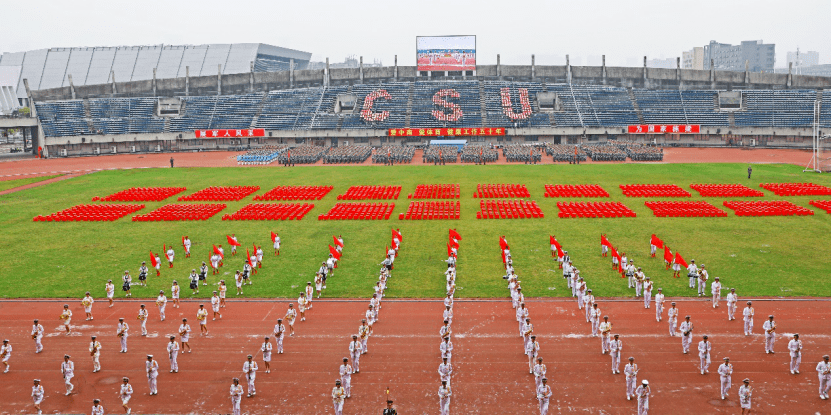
(797, 372)
(823, 397)
(702, 372)
(628, 398)
(128, 410)
(214, 319)
(722, 397)
(171, 371)
(792, 372)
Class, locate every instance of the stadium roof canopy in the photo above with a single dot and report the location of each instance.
(51, 68)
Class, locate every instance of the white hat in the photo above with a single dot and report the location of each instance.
(645, 382)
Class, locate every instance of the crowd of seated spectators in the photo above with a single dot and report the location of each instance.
(526, 153)
(565, 152)
(347, 154)
(604, 152)
(439, 155)
(304, 154)
(479, 154)
(389, 155)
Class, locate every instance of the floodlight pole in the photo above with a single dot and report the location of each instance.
(814, 163)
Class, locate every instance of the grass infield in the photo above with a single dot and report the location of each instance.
(14, 183)
(760, 256)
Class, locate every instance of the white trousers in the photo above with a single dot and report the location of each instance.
(704, 362)
(144, 327)
(673, 323)
(630, 385)
(161, 312)
(824, 383)
(543, 405)
(748, 326)
(769, 340)
(151, 381)
(235, 405)
(731, 310)
(363, 345)
(251, 388)
(716, 299)
(174, 365)
(444, 405)
(338, 407)
(643, 405)
(96, 365)
(347, 385)
(686, 340)
(659, 309)
(647, 297)
(615, 361)
(124, 343)
(38, 344)
(795, 362)
(356, 360)
(726, 382)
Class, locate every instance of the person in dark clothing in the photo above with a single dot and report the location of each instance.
(390, 410)
(171, 161)
(749, 171)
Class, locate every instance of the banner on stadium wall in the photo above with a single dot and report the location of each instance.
(477, 131)
(222, 133)
(665, 129)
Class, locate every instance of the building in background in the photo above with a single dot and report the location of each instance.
(802, 59)
(693, 58)
(671, 63)
(350, 61)
(760, 57)
(51, 68)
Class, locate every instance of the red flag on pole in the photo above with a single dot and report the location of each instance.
(216, 251)
(453, 244)
(337, 242)
(183, 241)
(454, 234)
(334, 252)
(152, 259)
(657, 242)
(560, 252)
(395, 233)
(680, 260)
(503, 243)
(449, 252)
(232, 241)
(273, 236)
(667, 254)
(614, 251)
(248, 259)
(604, 241)
(553, 241)
(164, 249)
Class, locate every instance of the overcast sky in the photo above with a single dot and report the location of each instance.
(623, 30)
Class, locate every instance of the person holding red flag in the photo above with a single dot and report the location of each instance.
(233, 242)
(654, 244)
(157, 263)
(677, 263)
(667, 256)
(276, 240)
(169, 253)
(454, 234)
(338, 243)
(186, 244)
(554, 244)
(604, 245)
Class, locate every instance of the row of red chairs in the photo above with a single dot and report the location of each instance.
(725, 190)
(260, 212)
(221, 193)
(98, 212)
(142, 194)
(359, 211)
(654, 190)
(594, 210)
(501, 190)
(358, 193)
(439, 191)
(684, 209)
(826, 205)
(575, 191)
(295, 193)
(766, 208)
(444, 210)
(182, 212)
(508, 209)
(796, 189)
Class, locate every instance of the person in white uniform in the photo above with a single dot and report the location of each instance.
(795, 349)
(642, 393)
(615, 347)
(174, 293)
(95, 352)
(631, 372)
(446, 349)
(659, 304)
(444, 398)
(345, 371)
(215, 305)
(647, 292)
(824, 373)
(123, 333)
(445, 371)
(543, 396)
(770, 334)
(692, 273)
(748, 313)
(236, 396)
(532, 349)
(588, 301)
(539, 372)
(125, 393)
(715, 289)
(173, 354)
(142, 316)
(87, 302)
(355, 353)
(725, 374)
(37, 395)
(66, 317)
(161, 302)
(338, 396)
(703, 276)
(745, 394)
(605, 334)
(686, 330)
(732, 299)
(266, 349)
(279, 332)
(184, 334)
(672, 318)
(595, 319)
(186, 242)
(37, 335)
(249, 367)
(277, 242)
(97, 409)
(704, 348)
(152, 369)
(68, 371)
(5, 354)
(110, 289)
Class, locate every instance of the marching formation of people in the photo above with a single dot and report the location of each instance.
(390, 155)
(639, 151)
(526, 153)
(347, 154)
(439, 155)
(604, 152)
(565, 152)
(446, 332)
(479, 154)
(303, 155)
(262, 155)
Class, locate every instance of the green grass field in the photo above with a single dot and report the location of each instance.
(14, 183)
(766, 256)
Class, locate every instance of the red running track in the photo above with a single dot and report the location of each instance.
(490, 370)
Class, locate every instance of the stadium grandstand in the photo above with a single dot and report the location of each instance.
(382, 106)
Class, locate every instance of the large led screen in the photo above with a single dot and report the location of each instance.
(446, 53)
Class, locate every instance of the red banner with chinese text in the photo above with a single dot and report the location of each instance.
(462, 131)
(665, 129)
(221, 133)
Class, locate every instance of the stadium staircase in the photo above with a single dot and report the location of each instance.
(635, 104)
(482, 105)
(259, 111)
(731, 118)
(409, 105)
(88, 115)
(167, 124)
